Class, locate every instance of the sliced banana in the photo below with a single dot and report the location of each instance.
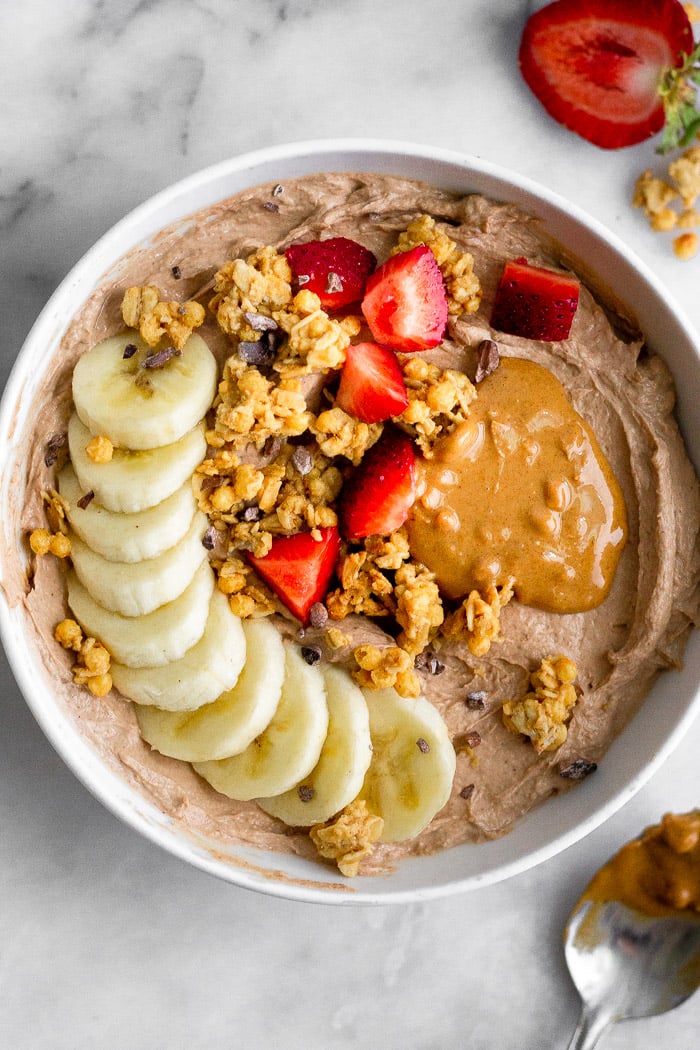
(413, 763)
(202, 673)
(127, 537)
(229, 724)
(133, 481)
(154, 639)
(137, 588)
(289, 747)
(339, 773)
(138, 407)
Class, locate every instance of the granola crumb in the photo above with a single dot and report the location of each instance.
(100, 449)
(336, 638)
(686, 245)
(43, 542)
(349, 837)
(69, 635)
(478, 619)
(438, 400)
(92, 663)
(542, 714)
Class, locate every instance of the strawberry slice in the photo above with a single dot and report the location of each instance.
(377, 497)
(299, 568)
(335, 269)
(614, 71)
(371, 383)
(534, 303)
(405, 303)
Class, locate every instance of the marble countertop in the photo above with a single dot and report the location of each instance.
(105, 941)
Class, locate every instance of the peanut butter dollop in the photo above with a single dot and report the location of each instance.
(522, 491)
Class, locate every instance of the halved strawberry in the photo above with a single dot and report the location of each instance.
(299, 568)
(377, 497)
(405, 303)
(335, 269)
(534, 303)
(371, 383)
(614, 71)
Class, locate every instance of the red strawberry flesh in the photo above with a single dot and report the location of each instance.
(534, 303)
(596, 65)
(335, 269)
(299, 568)
(371, 387)
(405, 303)
(378, 496)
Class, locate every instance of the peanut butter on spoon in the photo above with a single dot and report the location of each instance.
(521, 490)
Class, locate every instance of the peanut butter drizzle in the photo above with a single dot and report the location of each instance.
(658, 873)
(521, 490)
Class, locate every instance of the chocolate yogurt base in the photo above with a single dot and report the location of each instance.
(624, 393)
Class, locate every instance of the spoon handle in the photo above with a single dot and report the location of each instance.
(591, 1025)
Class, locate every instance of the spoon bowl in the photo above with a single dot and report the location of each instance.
(627, 965)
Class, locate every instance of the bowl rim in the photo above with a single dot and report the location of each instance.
(63, 734)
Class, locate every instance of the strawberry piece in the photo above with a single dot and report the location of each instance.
(299, 568)
(377, 497)
(405, 303)
(534, 303)
(335, 269)
(614, 71)
(371, 383)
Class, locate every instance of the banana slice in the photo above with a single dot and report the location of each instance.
(152, 640)
(127, 537)
(340, 770)
(413, 763)
(133, 481)
(137, 588)
(203, 673)
(138, 407)
(229, 724)
(289, 747)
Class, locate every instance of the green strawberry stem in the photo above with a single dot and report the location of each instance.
(678, 92)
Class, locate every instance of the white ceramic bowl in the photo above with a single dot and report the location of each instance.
(633, 757)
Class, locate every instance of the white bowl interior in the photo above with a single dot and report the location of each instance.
(632, 758)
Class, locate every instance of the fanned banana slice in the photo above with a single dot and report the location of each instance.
(211, 666)
(127, 537)
(289, 747)
(229, 724)
(413, 763)
(154, 639)
(338, 775)
(137, 588)
(133, 481)
(142, 407)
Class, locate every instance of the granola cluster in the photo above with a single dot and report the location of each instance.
(349, 837)
(438, 399)
(477, 621)
(92, 662)
(143, 309)
(656, 195)
(542, 714)
(457, 267)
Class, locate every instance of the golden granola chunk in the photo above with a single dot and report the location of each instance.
(92, 663)
(349, 837)
(685, 173)
(43, 542)
(259, 285)
(69, 635)
(543, 712)
(363, 588)
(418, 606)
(478, 619)
(438, 400)
(316, 342)
(143, 309)
(251, 408)
(379, 668)
(457, 267)
(686, 245)
(652, 194)
(100, 449)
(339, 434)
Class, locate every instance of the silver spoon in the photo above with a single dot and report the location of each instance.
(626, 964)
